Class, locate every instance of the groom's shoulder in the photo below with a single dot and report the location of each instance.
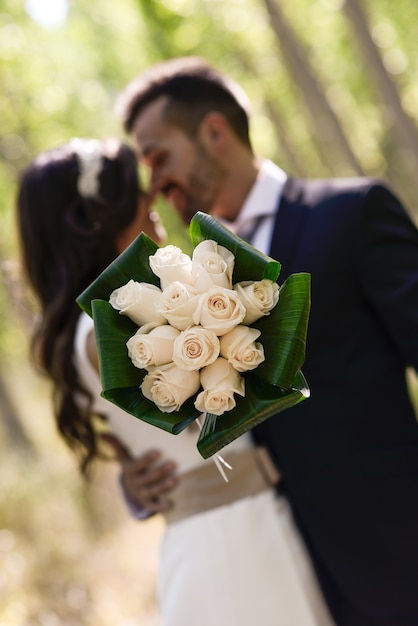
(330, 186)
(327, 191)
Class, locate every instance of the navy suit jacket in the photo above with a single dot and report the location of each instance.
(349, 453)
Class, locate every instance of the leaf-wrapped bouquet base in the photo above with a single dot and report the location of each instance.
(275, 385)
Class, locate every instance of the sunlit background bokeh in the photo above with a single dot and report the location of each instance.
(334, 87)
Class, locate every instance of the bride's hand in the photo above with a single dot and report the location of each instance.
(146, 481)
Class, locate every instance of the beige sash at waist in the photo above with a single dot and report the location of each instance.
(203, 488)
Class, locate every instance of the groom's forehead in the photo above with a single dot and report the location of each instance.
(151, 130)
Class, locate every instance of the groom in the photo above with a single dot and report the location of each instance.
(349, 454)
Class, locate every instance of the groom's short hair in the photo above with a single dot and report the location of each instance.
(193, 88)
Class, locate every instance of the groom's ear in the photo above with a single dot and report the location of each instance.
(213, 132)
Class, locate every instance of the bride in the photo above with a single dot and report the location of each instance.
(230, 554)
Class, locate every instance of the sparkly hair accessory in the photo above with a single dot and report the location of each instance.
(90, 161)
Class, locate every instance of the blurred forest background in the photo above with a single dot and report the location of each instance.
(334, 87)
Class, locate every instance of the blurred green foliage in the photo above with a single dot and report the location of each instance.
(63, 549)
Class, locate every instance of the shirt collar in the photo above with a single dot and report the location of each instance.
(263, 197)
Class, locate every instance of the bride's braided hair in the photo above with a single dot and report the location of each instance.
(67, 234)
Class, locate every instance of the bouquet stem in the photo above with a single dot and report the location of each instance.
(209, 424)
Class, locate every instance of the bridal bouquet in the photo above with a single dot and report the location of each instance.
(212, 334)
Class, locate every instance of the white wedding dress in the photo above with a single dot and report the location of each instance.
(236, 565)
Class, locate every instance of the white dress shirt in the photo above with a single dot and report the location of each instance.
(261, 202)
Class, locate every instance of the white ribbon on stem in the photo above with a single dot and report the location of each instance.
(217, 458)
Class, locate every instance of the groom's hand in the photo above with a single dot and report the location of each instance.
(145, 480)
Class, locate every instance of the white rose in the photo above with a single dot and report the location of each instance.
(195, 347)
(219, 310)
(147, 349)
(139, 301)
(219, 381)
(259, 298)
(169, 264)
(169, 386)
(240, 348)
(178, 303)
(212, 265)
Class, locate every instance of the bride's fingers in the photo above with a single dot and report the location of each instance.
(155, 499)
(153, 481)
(148, 484)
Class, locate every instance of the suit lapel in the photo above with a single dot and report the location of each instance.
(291, 216)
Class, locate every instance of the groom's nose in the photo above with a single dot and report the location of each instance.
(158, 181)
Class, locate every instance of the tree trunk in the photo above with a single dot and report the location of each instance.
(402, 126)
(331, 139)
(11, 285)
(293, 162)
(12, 424)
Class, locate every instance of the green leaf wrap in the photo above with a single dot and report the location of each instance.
(275, 385)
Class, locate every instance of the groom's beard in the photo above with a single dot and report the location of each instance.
(203, 185)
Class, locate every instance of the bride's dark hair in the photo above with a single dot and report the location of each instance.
(67, 238)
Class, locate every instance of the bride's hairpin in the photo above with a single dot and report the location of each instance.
(90, 161)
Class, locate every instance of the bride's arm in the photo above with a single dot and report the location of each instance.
(145, 480)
